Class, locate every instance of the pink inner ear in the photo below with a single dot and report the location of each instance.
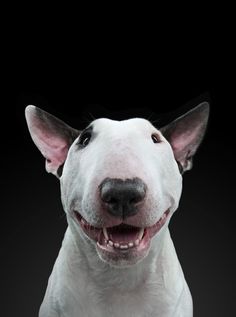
(185, 144)
(53, 148)
(185, 141)
(56, 155)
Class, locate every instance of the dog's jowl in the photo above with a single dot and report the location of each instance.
(121, 182)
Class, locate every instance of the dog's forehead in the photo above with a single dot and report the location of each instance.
(134, 124)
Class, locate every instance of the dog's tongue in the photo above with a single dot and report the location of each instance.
(123, 233)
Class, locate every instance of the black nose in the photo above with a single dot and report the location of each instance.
(121, 197)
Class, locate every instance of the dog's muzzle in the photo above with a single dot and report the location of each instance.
(122, 243)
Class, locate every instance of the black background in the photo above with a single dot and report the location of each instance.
(33, 221)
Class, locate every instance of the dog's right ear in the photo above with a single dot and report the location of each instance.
(52, 136)
(186, 133)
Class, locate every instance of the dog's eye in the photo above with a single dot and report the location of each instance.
(84, 139)
(156, 138)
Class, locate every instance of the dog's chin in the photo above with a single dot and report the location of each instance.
(122, 245)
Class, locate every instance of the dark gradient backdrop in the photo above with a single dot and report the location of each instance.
(32, 219)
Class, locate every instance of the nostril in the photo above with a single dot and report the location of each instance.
(137, 195)
(135, 200)
(110, 200)
(107, 194)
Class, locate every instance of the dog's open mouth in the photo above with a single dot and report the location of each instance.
(123, 237)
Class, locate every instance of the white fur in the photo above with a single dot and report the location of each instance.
(85, 282)
(81, 284)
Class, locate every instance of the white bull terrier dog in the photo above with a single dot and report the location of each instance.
(121, 182)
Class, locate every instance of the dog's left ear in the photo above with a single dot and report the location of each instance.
(52, 137)
(186, 133)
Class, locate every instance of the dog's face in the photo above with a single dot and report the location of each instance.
(121, 180)
(120, 150)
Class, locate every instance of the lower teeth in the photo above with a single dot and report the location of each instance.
(117, 245)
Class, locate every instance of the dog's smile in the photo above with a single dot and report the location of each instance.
(123, 238)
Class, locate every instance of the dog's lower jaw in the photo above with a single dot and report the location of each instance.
(147, 285)
(93, 256)
(134, 257)
(88, 249)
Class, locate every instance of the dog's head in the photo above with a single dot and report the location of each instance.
(121, 181)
